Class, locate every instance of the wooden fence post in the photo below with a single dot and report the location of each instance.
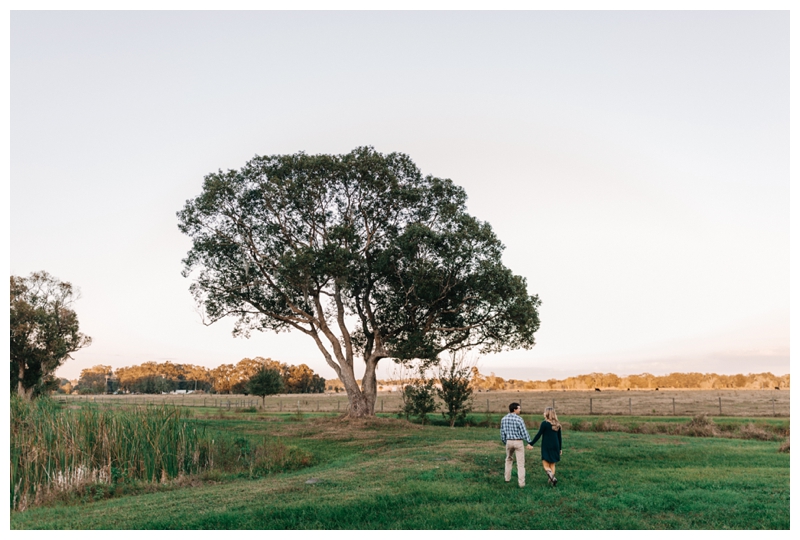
(673, 406)
(630, 407)
(590, 406)
(773, 406)
(720, 405)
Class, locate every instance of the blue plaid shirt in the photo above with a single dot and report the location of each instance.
(513, 427)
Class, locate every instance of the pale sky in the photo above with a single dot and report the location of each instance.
(635, 165)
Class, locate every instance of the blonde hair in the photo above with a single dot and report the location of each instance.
(550, 416)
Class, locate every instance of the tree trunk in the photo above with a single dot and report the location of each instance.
(357, 403)
(361, 400)
(24, 393)
(369, 384)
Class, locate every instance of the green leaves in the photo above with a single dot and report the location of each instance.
(44, 330)
(265, 382)
(360, 250)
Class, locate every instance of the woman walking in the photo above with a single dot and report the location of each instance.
(550, 432)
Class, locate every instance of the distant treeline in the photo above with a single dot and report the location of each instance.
(635, 382)
(155, 378)
(591, 381)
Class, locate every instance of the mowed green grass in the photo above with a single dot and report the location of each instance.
(388, 474)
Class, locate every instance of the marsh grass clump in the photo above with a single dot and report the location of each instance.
(246, 410)
(61, 450)
(581, 425)
(91, 451)
(606, 424)
(652, 428)
(242, 455)
(297, 416)
(700, 426)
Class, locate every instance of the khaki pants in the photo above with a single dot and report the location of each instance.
(516, 447)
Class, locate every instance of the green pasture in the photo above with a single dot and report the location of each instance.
(390, 474)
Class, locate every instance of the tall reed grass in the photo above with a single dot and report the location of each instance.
(59, 450)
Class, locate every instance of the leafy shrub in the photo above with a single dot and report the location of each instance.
(456, 392)
(418, 400)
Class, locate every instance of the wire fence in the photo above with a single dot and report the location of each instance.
(749, 403)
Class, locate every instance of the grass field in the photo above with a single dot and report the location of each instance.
(390, 474)
(748, 403)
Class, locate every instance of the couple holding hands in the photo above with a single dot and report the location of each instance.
(513, 432)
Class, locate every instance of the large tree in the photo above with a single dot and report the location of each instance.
(44, 331)
(359, 252)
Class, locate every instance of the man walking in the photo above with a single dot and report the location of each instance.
(512, 433)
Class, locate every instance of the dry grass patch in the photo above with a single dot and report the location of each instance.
(752, 431)
(700, 426)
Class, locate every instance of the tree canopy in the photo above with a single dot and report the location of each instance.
(44, 331)
(95, 380)
(359, 252)
(265, 382)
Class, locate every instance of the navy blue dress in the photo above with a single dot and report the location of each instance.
(551, 442)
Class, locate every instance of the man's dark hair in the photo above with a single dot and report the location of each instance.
(513, 407)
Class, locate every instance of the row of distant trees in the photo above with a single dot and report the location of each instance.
(155, 378)
(590, 381)
(644, 381)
